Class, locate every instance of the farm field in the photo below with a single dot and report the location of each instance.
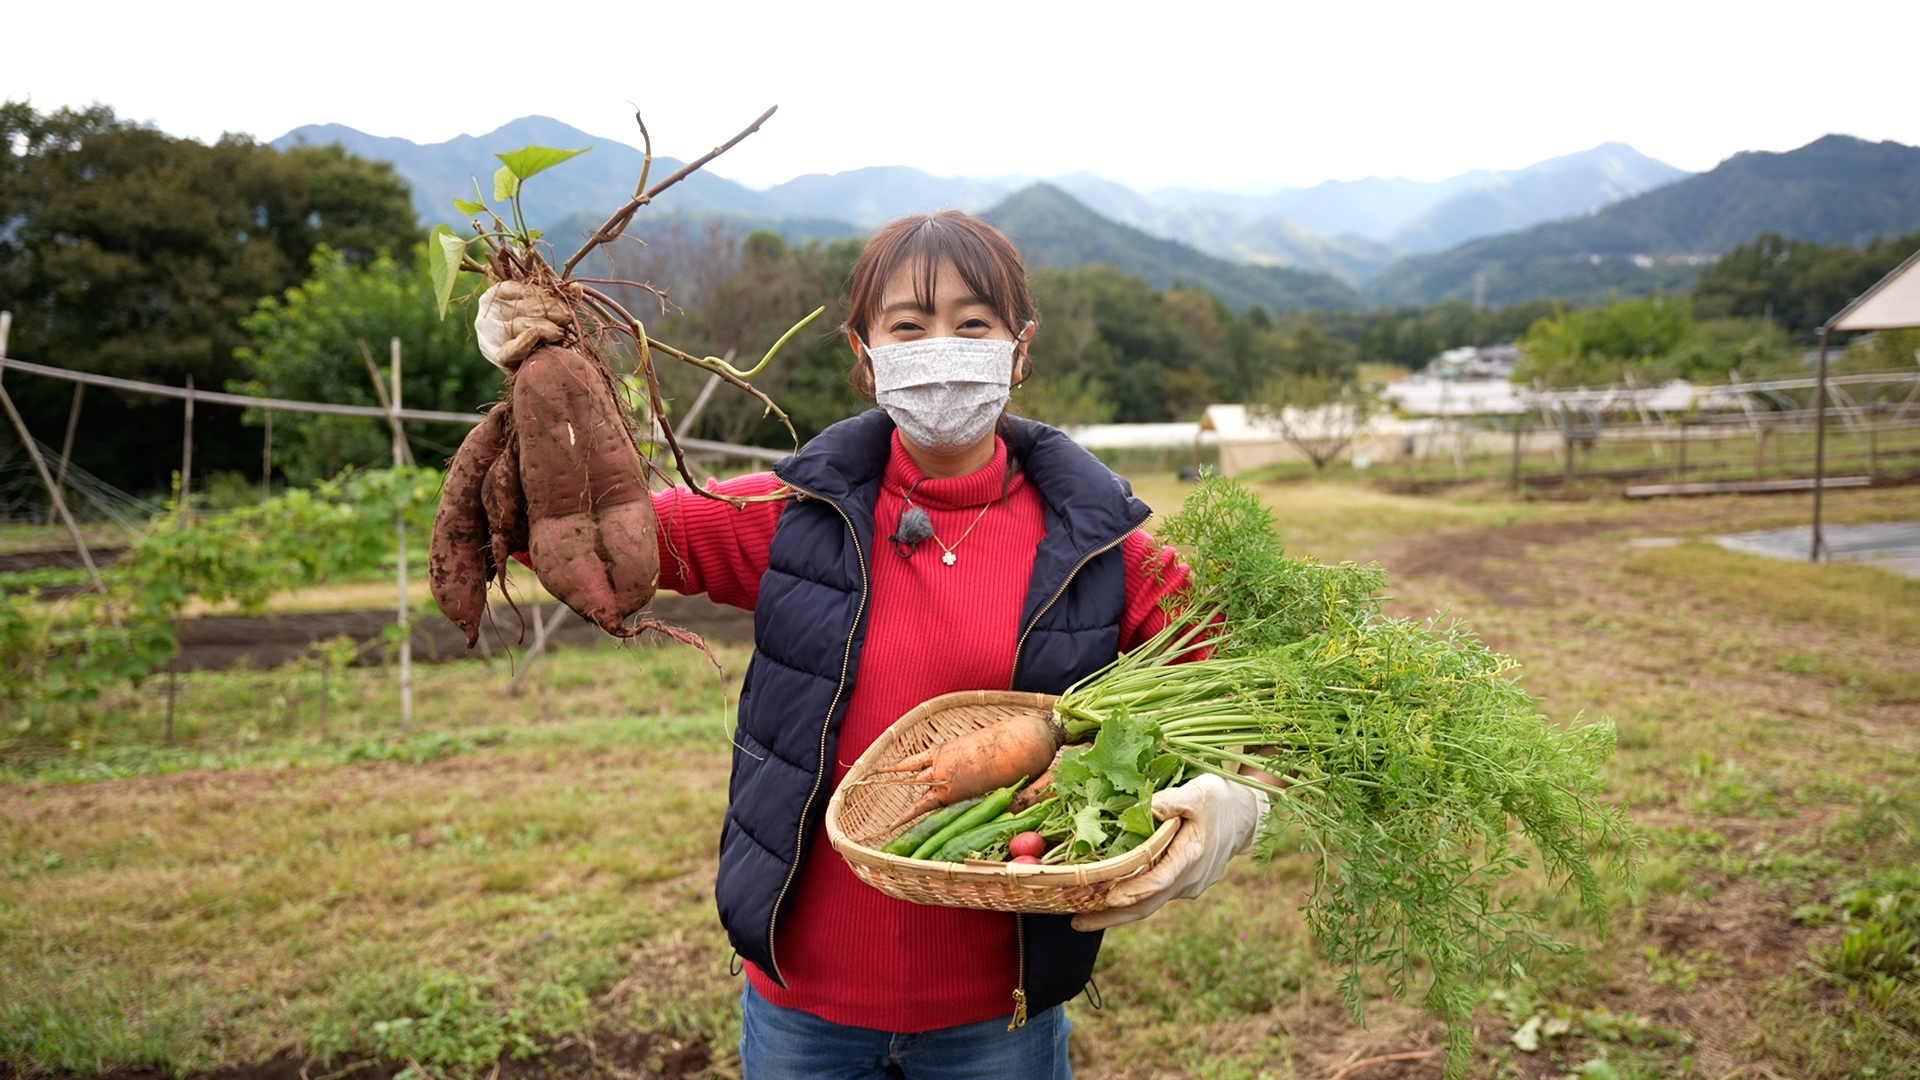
(526, 879)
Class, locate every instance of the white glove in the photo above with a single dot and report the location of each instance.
(1220, 819)
(515, 319)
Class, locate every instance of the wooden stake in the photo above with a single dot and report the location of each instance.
(401, 456)
(542, 627)
(326, 663)
(173, 690)
(66, 446)
(266, 461)
(1516, 457)
(186, 452)
(40, 466)
(1819, 448)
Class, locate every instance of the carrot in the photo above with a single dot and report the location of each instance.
(591, 529)
(459, 562)
(994, 756)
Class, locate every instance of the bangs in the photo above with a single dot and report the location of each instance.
(985, 261)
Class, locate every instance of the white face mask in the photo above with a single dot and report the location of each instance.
(944, 394)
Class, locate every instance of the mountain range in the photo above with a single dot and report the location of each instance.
(1351, 229)
(1577, 227)
(1834, 190)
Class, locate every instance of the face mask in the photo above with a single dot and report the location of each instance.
(944, 393)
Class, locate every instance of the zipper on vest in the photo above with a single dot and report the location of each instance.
(1019, 921)
(1062, 591)
(1020, 981)
(846, 662)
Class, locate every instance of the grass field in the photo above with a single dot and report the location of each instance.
(520, 877)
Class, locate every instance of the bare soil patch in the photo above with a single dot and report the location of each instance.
(1488, 560)
(222, 641)
(620, 1055)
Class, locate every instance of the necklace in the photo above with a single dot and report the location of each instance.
(915, 525)
(948, 557)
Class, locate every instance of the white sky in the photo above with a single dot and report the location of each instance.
(1196, 92)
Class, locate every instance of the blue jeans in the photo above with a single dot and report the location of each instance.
(778, 1043)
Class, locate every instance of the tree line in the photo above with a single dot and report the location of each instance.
(130, 252)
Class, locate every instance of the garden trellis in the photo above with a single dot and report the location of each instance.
(390, 411)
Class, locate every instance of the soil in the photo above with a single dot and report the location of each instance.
(614, 1056)
(262, 641)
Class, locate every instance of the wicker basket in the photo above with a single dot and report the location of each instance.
(861, 816)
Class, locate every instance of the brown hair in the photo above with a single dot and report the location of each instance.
(983, 257)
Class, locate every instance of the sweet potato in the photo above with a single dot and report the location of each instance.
(506, 504)
(459, 561)
(591, 529)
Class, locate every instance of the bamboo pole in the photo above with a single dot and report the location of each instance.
(542, 629)
(266, 460)
(1819, 447)
(322, 408)
(326, 664)
(66, 445)
(40, 466)
(186, 452)
(401, 456)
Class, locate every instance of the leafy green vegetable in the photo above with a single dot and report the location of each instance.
(1407, 750)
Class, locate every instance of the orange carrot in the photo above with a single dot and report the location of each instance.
(980, 761)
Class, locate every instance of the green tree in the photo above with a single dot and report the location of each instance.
(1601, 346)
(1409, 337)
(129, 252)
(1797, 283)
(306, 345)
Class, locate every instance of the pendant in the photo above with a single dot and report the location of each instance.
(949, 558)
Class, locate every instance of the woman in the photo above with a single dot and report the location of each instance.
(933, 544)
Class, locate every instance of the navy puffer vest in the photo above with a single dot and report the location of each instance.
(809, 626)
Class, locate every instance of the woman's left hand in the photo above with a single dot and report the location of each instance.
(1220, 819)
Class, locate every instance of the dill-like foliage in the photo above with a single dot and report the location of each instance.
(1415, 769)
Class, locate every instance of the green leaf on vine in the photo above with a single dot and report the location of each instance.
(532, 160)
(505, 184)
(468, 206)
(443, 260)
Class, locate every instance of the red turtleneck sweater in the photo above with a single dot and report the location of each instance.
(851, 954)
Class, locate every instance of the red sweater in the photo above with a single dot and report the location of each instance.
(851, 954)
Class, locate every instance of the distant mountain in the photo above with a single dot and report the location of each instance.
(593, 183)
(874, 196)
(1053, 229)
(1835, 190)
(1556, 188)
(1355, 228)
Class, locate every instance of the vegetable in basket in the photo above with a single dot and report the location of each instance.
(1398, 756)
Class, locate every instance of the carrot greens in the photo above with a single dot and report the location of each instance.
(1399, 756)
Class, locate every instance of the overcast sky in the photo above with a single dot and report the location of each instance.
(1193, 92)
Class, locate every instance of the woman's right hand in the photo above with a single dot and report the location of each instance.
(516, 318)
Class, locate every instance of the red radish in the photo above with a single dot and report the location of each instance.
(1027, 845)
(1025, 860)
